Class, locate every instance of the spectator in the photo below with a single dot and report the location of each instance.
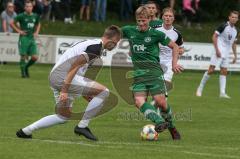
(56, 10)
(191, 12)
(66, 7)
(166, 3)
(7, 15)
(62, 10)
(19, 6)
(125, 9)
(47, 7)
(85, 6)
(100, 10)
(142, 2)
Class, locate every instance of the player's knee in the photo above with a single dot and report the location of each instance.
(34, 58)
(64, 112)
(223, 72)
(104, 94)
(161, 103)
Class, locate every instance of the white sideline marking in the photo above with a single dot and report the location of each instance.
(120, 145)
(98, 143)
(55, 141)
(210, 155)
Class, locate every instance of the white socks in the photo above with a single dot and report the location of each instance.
(44, 122)
(222, 84)
(94, 106)
(203, 81)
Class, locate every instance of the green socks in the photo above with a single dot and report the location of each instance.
(22, 66)
(150, 113)
(30, 62)
(168, 116)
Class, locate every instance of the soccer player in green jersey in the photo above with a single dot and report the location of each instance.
(29, 27)
(155, 21)
(148, 75)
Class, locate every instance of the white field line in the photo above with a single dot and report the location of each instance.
(211, 155)
(122, 145)
(109, 143)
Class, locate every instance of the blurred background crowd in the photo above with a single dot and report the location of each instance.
(101, 10)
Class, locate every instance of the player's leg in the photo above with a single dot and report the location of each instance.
(140, 92)
(63, 112)
(168, 75)
(222, 78)
(97, 94)
(158, 91)
(214, 61)
(149, 111)
(23, 56)
(34, 55)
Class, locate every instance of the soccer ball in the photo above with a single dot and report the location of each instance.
(148, 133)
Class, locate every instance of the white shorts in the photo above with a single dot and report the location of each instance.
(167, 67)
(222, 61)
(80, 86)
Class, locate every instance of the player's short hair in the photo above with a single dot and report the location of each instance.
(112, 31)
(28, 1)
(142, 11)
(168, 9)
(157, 6)
(234, 12)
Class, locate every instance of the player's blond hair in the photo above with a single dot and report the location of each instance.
(234, 12)
(168, 9)
(112, 31)
(142, 11)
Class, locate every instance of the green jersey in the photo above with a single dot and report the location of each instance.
(27, 22)
(156, 23)
(144, 47)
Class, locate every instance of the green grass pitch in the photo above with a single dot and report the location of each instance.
(209, 125)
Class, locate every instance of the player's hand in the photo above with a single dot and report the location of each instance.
(63, 96)
(22, 32)
(177, 68)
(35, 35)
(218, 54)
(181, 51)
(234, 60)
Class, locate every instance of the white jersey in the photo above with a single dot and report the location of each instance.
(175, 36)
(227, 34)
(91, 49)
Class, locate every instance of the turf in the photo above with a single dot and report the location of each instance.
(209, 125)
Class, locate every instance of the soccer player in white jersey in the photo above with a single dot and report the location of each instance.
(224, 39)
(68, 82)
(166, 52)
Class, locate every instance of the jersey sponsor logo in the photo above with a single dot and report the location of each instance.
(147, 39)
(30, 25)
(139, 48)
(229, 36)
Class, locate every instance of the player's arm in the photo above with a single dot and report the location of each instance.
(179, 42)
(234, 48)
(37, 30)
(4, 23)
(175, 53)
(16, 28)
(172, 3)
(217, 32)
(214, 39)
(72, 72)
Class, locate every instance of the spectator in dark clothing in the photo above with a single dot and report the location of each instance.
(126, 9)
